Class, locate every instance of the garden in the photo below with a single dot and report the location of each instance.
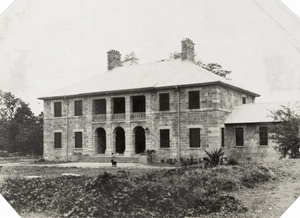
(191, 190)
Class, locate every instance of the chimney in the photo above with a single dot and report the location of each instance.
(187, 50)
(113, 59)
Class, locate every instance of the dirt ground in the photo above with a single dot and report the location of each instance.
(274, 198)
(266, 200)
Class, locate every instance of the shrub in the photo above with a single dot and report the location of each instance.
(232, 161)
(252, 176)
(213, 157)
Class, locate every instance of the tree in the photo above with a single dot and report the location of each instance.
(285, 132)
(212, 67)
(20, 129)
(130, 59)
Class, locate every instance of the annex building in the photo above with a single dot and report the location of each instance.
(174, 107)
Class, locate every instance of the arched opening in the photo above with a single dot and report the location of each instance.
(140, 140)
(101, 140)
(120, 140)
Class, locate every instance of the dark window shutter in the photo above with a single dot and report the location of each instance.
(194, 101)
(263, 135)
(57, 109)
(57, 140)
(195, 138)
(164, 102)
(239, 136)
(164, 138)
(78, 139)
(78, 108)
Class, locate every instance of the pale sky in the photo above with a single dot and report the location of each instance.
(80, 50)
(294, 5)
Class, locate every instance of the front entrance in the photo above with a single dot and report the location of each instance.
(120, 140)
(101, 140)
(140, 140)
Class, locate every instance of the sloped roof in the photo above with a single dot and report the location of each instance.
(255, 113)
(146, 76)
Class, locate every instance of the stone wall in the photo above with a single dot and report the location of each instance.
(216, 102)
(252, 148)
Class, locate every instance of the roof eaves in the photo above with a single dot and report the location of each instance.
(250, 122)
(148, 88)
(95, 93)
(238, 88)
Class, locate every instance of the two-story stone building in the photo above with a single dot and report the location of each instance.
(174, 107)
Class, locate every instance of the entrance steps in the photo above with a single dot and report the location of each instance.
(105, 159)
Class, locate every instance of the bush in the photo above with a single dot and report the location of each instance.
(253, 176)
(232, 161)
(213, 157)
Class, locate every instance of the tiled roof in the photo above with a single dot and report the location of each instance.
(145, 76)
(255, 113)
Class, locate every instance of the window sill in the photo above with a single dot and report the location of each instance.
(263, 146)
(57, 148)
(239, 146)
(164, 148)
(199, 148)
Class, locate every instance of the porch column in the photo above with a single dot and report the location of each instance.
(128, 145)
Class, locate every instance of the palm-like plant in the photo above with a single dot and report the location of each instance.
(214, 157)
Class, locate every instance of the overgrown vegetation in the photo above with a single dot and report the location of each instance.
(179, 192)
(286, 131)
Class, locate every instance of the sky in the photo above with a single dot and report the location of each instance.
(76, 42)
(294, 5)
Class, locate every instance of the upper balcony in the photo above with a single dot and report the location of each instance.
(118, 108)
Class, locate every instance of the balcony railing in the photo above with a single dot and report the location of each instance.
(118, 116)
(99, 117)
(141, 115)
(103, 117)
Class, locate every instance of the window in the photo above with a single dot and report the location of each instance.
(57, 109)
(119, 105)
(239, 137)
(78, 139)
(244, 100)
(194, 102)
(222, 137)
(165, 138)
(99, 106)
(263, 135)
(57, 140)
(78, 108)
(195, 138)
(138, 104)
(164, 103)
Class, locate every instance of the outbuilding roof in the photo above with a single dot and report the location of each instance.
(169, 73)
(255, 113)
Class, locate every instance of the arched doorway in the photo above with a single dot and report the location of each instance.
(120, 140)
(140, 140)
(101, 140)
